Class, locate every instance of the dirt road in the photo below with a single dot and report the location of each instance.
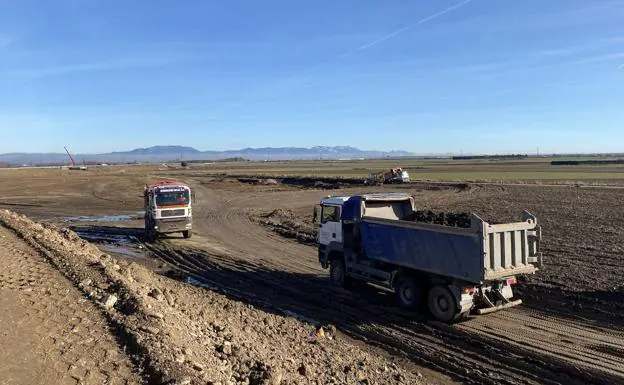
(571, 330)
(524, 345)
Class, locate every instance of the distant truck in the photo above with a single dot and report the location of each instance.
(168, 209)
(395, 175)
(449, 270)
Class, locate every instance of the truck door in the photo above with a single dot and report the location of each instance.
(330, 229)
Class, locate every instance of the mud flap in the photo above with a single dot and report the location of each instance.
(507, 305)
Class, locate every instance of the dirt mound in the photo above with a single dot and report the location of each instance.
(441, 218)
(289, 225)
(189, 335)
(320, 183)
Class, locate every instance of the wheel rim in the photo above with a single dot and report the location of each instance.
(408, 294)
(441, 304)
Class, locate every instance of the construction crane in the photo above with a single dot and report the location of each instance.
(74, 166)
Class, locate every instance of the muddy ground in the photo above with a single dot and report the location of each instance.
(571, 330)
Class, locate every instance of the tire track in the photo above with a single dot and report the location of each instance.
(510, 347)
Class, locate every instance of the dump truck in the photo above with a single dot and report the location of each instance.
(168, 209)
(451, 271)
(395, 175)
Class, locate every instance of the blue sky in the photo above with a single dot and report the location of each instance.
(425, 76)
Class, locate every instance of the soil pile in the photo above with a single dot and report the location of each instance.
(441, 218)
(290, 225)
(189, 335)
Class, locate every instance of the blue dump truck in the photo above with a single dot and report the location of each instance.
(451, 270)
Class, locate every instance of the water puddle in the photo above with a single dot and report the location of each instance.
(204, 284)
(123, 251)
(104, 218)
(120, 241)
(102, 237)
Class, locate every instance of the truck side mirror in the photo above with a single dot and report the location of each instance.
(315, 218)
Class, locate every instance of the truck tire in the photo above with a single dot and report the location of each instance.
(442, 304)
(187, 234)
(408, 293)
(337, 273)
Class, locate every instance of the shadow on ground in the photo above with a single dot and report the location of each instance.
(367, 314)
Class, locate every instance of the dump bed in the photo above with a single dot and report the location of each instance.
(480, 253)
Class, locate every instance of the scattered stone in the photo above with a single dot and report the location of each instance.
(169, 298)
(150, 330)
(320, 333)
(303, 370)
(110, 301)
(274, 377)
(226, 348)
(158, 316)
(197, 366)
(157, 294)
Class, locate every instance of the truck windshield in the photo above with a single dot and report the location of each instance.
(174, 198)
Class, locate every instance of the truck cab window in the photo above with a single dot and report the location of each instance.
(330, 214)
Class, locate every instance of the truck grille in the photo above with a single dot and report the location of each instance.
(172, 213)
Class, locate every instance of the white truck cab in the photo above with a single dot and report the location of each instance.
(168, 209)
(330, 228)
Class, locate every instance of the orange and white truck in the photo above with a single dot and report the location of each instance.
(168, 209)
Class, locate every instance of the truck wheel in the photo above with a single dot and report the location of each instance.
(408, 293)
(442, 304)
(187, 234)
(337, 273)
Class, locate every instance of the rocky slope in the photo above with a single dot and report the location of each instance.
(184, 334)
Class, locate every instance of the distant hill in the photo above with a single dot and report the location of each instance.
(175, 153)
(160, 150)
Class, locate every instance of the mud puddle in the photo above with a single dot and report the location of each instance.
(123, 251)
(104, 218)
(123, 242)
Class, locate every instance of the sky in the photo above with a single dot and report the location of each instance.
(444, 76)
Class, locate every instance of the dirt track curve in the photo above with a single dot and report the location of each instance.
(521, 346)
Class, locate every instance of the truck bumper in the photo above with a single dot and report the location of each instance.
(173, 225)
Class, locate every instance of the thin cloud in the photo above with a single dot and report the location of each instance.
(600, 58)
(408, 27)
(110, 65)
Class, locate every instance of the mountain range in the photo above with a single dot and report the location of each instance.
(177, 153)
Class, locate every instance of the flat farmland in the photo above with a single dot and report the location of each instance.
(533, 170)
(569, 331)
